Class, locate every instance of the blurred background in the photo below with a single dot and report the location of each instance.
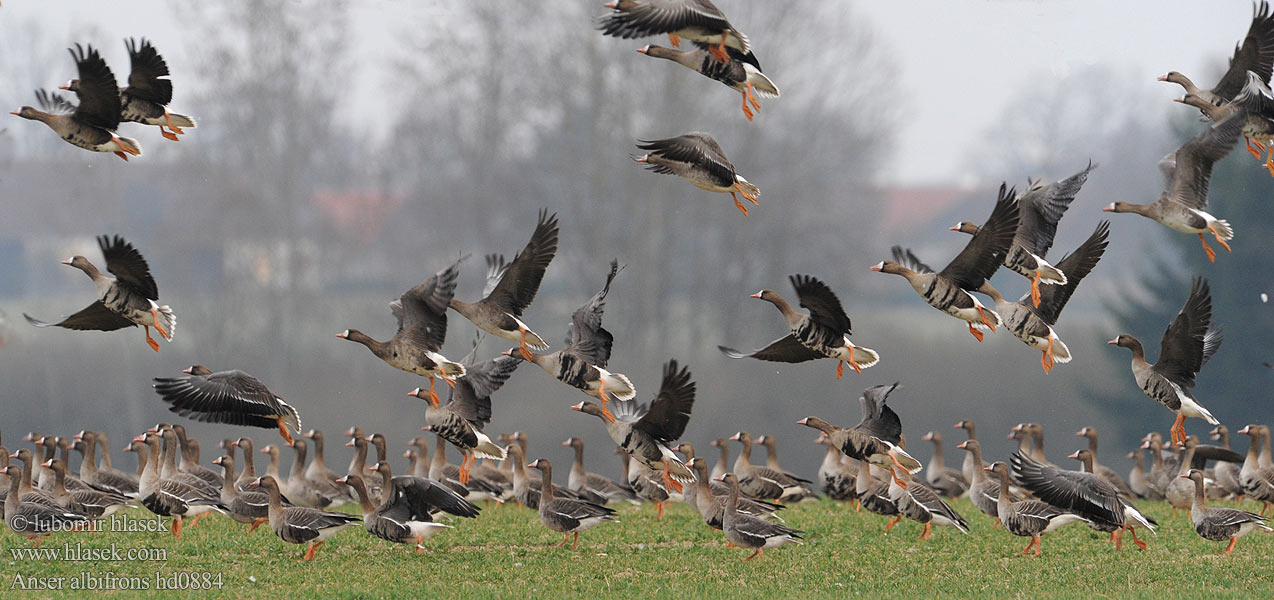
(347, 151)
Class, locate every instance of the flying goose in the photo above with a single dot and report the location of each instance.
(741, 72)
(697, 158)
(699, 21)
(148, 93)
(231, 397)
(92, 124)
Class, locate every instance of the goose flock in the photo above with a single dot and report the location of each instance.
(866, 463)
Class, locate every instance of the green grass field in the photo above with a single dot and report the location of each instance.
(507, 553)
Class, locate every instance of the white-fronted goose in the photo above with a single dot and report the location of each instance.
(722, 466)
(708, 497)
(1256, 102)
(34, 520)
(358, 466)
(422, 329)
(271, 467)
(406, 514)
(772, 462)
(1161, 471)
(647, 484)
(1040, 207)
(581, 363)
(1106, 473)
(836, 475)
(248, 473)
(1227, 473)
(1255, 52)
(647, 431)
(1139, 480)
(1186, 347)
(251, 506)
(697, 158)
(168, 468)
(318, 471)
(125, 300)
(949, 290)
(231, 397)
(474, 488)
(1187, 173)
(298, 525)
(873, 494)
(741, 72)
(947, 481)
(1257, 480)
(1180, 491)
(87, 501)
(1033, 323)
(592, 483)
(970, 467)
(301, 490)
(26, 491)
(984, 491)
(1220, 524)
(696, 20)
(1084, 494)
(747, 531)
(823, 333)
(565, 515)
(356, 433)
(188, 458)
(1027, 518)
(765, 483)
(148, 93)
(169, 497)
(877, 438)
(111, 481)
(92, 124)
(499, 311)
(468, 409)
(921, 504)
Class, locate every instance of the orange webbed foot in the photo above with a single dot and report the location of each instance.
(170, 135)
(122, 155)
(739, 205)
(977, 334)
(1207, 249)
(149, 341)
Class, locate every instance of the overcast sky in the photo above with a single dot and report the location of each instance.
(958, 60)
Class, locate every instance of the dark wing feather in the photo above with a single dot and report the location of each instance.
(423, 496)
(985, 252)
(586, 337)
(54, 103)
(1255, 53)
(654, 17)
(1256, 97)
(147, 69)
(128, 266)
(99, 95)
(1182, 348)
(670, 411)
(1188, 183)
(696, 148)
(1076, 266)
(786, 349)
(94, 317)
(422, 312)
(904, 257)
(878, 419)
(521, 278)
(1085, 494)
(232, 397)
(1043, 207)
(824, 306)
(471, 396)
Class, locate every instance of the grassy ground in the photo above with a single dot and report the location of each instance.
(507, 553)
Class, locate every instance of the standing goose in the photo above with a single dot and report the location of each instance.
(448, 474)
(984, 491)
(298, 525)
(877, 438)
(1033, 324)
(597, 485)
(499, 312)
(111, 480)
(1027, 518)
(646, 484)
(1187, 172)
(948, 290)
(88, 501)
(947, 481)
(92, 124)
(1186, 347)
(697, 158)
(1180, 492)
(250, 507)
(873, 494)
(125, 300)
(1257, 480)
(232, 397)
(646, 431)
(34, 520)
(1042, 206)
(741, 72)
(405, 515)
(318, 471)
(836, 477)
(1106, 473)
(1255, 52)
(565, 515)
(148, 93)
(708, 497)
(765, 483)
(699, 21)
(747, 531)
(772, 462)
(169, 497)
(1084, 494)
(1138, 480)
(921, 504)
(970, 466)
(248, 473)
(468, 409)
(1220, 524)
(722, 466)
(1227, 473)
(1256, 102)
(300, 490)
(581, 363)
(422, 329)
(823, 333)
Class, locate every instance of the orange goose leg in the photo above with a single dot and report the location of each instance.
(671, 483)
(997, 523)
(522, 347)
(977, 334)
(38, 539)
(752, 97)
(751, 199)
(1140, 544)
(283, 430)
(659, 506)
(985, 321)
(1206, 249)
(196, 521)
(1230, 548)
(575, 542)
(747, 112)
(753, 555)
(562, 544)
(419, 545)
(433, 396)
(464, 468)
(176, 527)
(604, 397)
(175, 129)
(1212, 228)
(1029, 544)
(718, 51)
(675, 40)
(902, 484)
(150, 342)
(739, 205)
(924, 535)
(256, 523)
(1035, 289)
(1178, 431)
(122, 155)
(854, 365)
(1251, 149)
(1047, 359)
(892, 522)
(840, 368)
(1117, 536)
(154, 315)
